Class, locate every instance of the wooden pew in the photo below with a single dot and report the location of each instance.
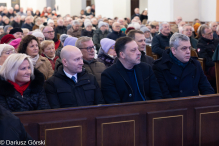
(188, 121)
(150, 53)
(201, 60)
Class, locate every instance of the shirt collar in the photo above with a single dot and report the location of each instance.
(70, 76)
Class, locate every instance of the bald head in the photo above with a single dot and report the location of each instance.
(49, 33)
(213, 26)
(116, 26)
(72, 59)
(178, 20)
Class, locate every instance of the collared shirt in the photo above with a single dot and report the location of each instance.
(70, 76)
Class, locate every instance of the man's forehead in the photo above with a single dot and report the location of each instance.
(185, 43)
(139, 36)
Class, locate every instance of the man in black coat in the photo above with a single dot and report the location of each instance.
(16, 22)
(161, 41)
(116, 32)
(139, 38)
(60, 29)
(129, 80)
(205, 48)
(177, 73)
(11, 128)
(27, 23)
(136, 11)
(72, 86)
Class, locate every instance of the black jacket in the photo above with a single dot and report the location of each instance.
(175, 81)
(135, 15)
(146, 59)
(142, 17)
(11, 128)
(205, 49)
(15, 24)
(62, 92)
(116, 86)
(61, 30)
(159, 43)
(28, 26)
(193, 42)
(84, 32)
(115, 35)
(34, 97)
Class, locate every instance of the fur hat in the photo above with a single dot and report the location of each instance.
(144, 29)
(106, 44)
(101, 23)
(16, 29)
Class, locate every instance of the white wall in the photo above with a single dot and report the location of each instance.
(143, 4)
(8, 2)
(113, 8)
(207, 10)
(187, 9)
(35, 4)
(159, 10)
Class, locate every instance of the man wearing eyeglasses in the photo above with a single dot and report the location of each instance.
(177, 73)
(205, 48)
(86, 45)
(49, 34)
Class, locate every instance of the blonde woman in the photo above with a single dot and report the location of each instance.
(21, 86)
(5, 51)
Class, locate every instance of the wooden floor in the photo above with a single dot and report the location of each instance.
(191, 121)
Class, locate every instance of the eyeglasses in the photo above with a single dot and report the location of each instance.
(49, 32)
(89, 48)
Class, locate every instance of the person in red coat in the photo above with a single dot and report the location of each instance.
(48, 51)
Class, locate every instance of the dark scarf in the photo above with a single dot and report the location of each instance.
(106, 59)
(176, 61)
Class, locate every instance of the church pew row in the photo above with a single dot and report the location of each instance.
(188, 121)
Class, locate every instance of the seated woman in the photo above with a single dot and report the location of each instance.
(87, 31)
(21, 86)
(5, 51)
(30, 46)
(107, 52)
(48, 51)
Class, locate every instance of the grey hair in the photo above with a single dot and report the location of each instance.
(217, 29)
(81, 40)
(75, 22)
(210, 24)
(161, 25)
(176, 38)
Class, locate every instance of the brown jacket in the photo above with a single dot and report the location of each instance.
(96, 68)
(35, 27)
(44, 66)
(74, 33)
(174, 28)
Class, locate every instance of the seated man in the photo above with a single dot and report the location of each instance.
(161, 41)
(27, 23)
(129, 80)
(86, 45)
(187, 30)
(175, 27)
(116, 32)
(206, 47)
(49, 34)
(177, 73)
(213, 26)
(71, 85)
(139, 38)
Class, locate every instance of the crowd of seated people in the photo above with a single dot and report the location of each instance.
(53, 61)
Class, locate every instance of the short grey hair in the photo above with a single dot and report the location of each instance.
(176, 38)
(161, 25)
(75, 22)
(81, 40)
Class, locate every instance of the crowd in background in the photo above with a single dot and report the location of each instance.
(40, 51)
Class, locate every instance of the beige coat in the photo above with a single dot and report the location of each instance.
(74, 33)
(174, 28)
(44, 66)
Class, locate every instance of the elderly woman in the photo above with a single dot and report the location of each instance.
(21, 85)
(147, 34)
(30, 46)
(5, 51)
(75, 30)
(39, 35)
(48, 51)
(87, 31)
(38, 22)
(107, 52)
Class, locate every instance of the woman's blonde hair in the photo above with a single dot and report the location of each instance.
(9, 69)
(45, 44)
(5, 48)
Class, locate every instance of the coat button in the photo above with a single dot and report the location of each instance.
(175, 78)
(193, 91)
(181, 91)
(130, 95)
